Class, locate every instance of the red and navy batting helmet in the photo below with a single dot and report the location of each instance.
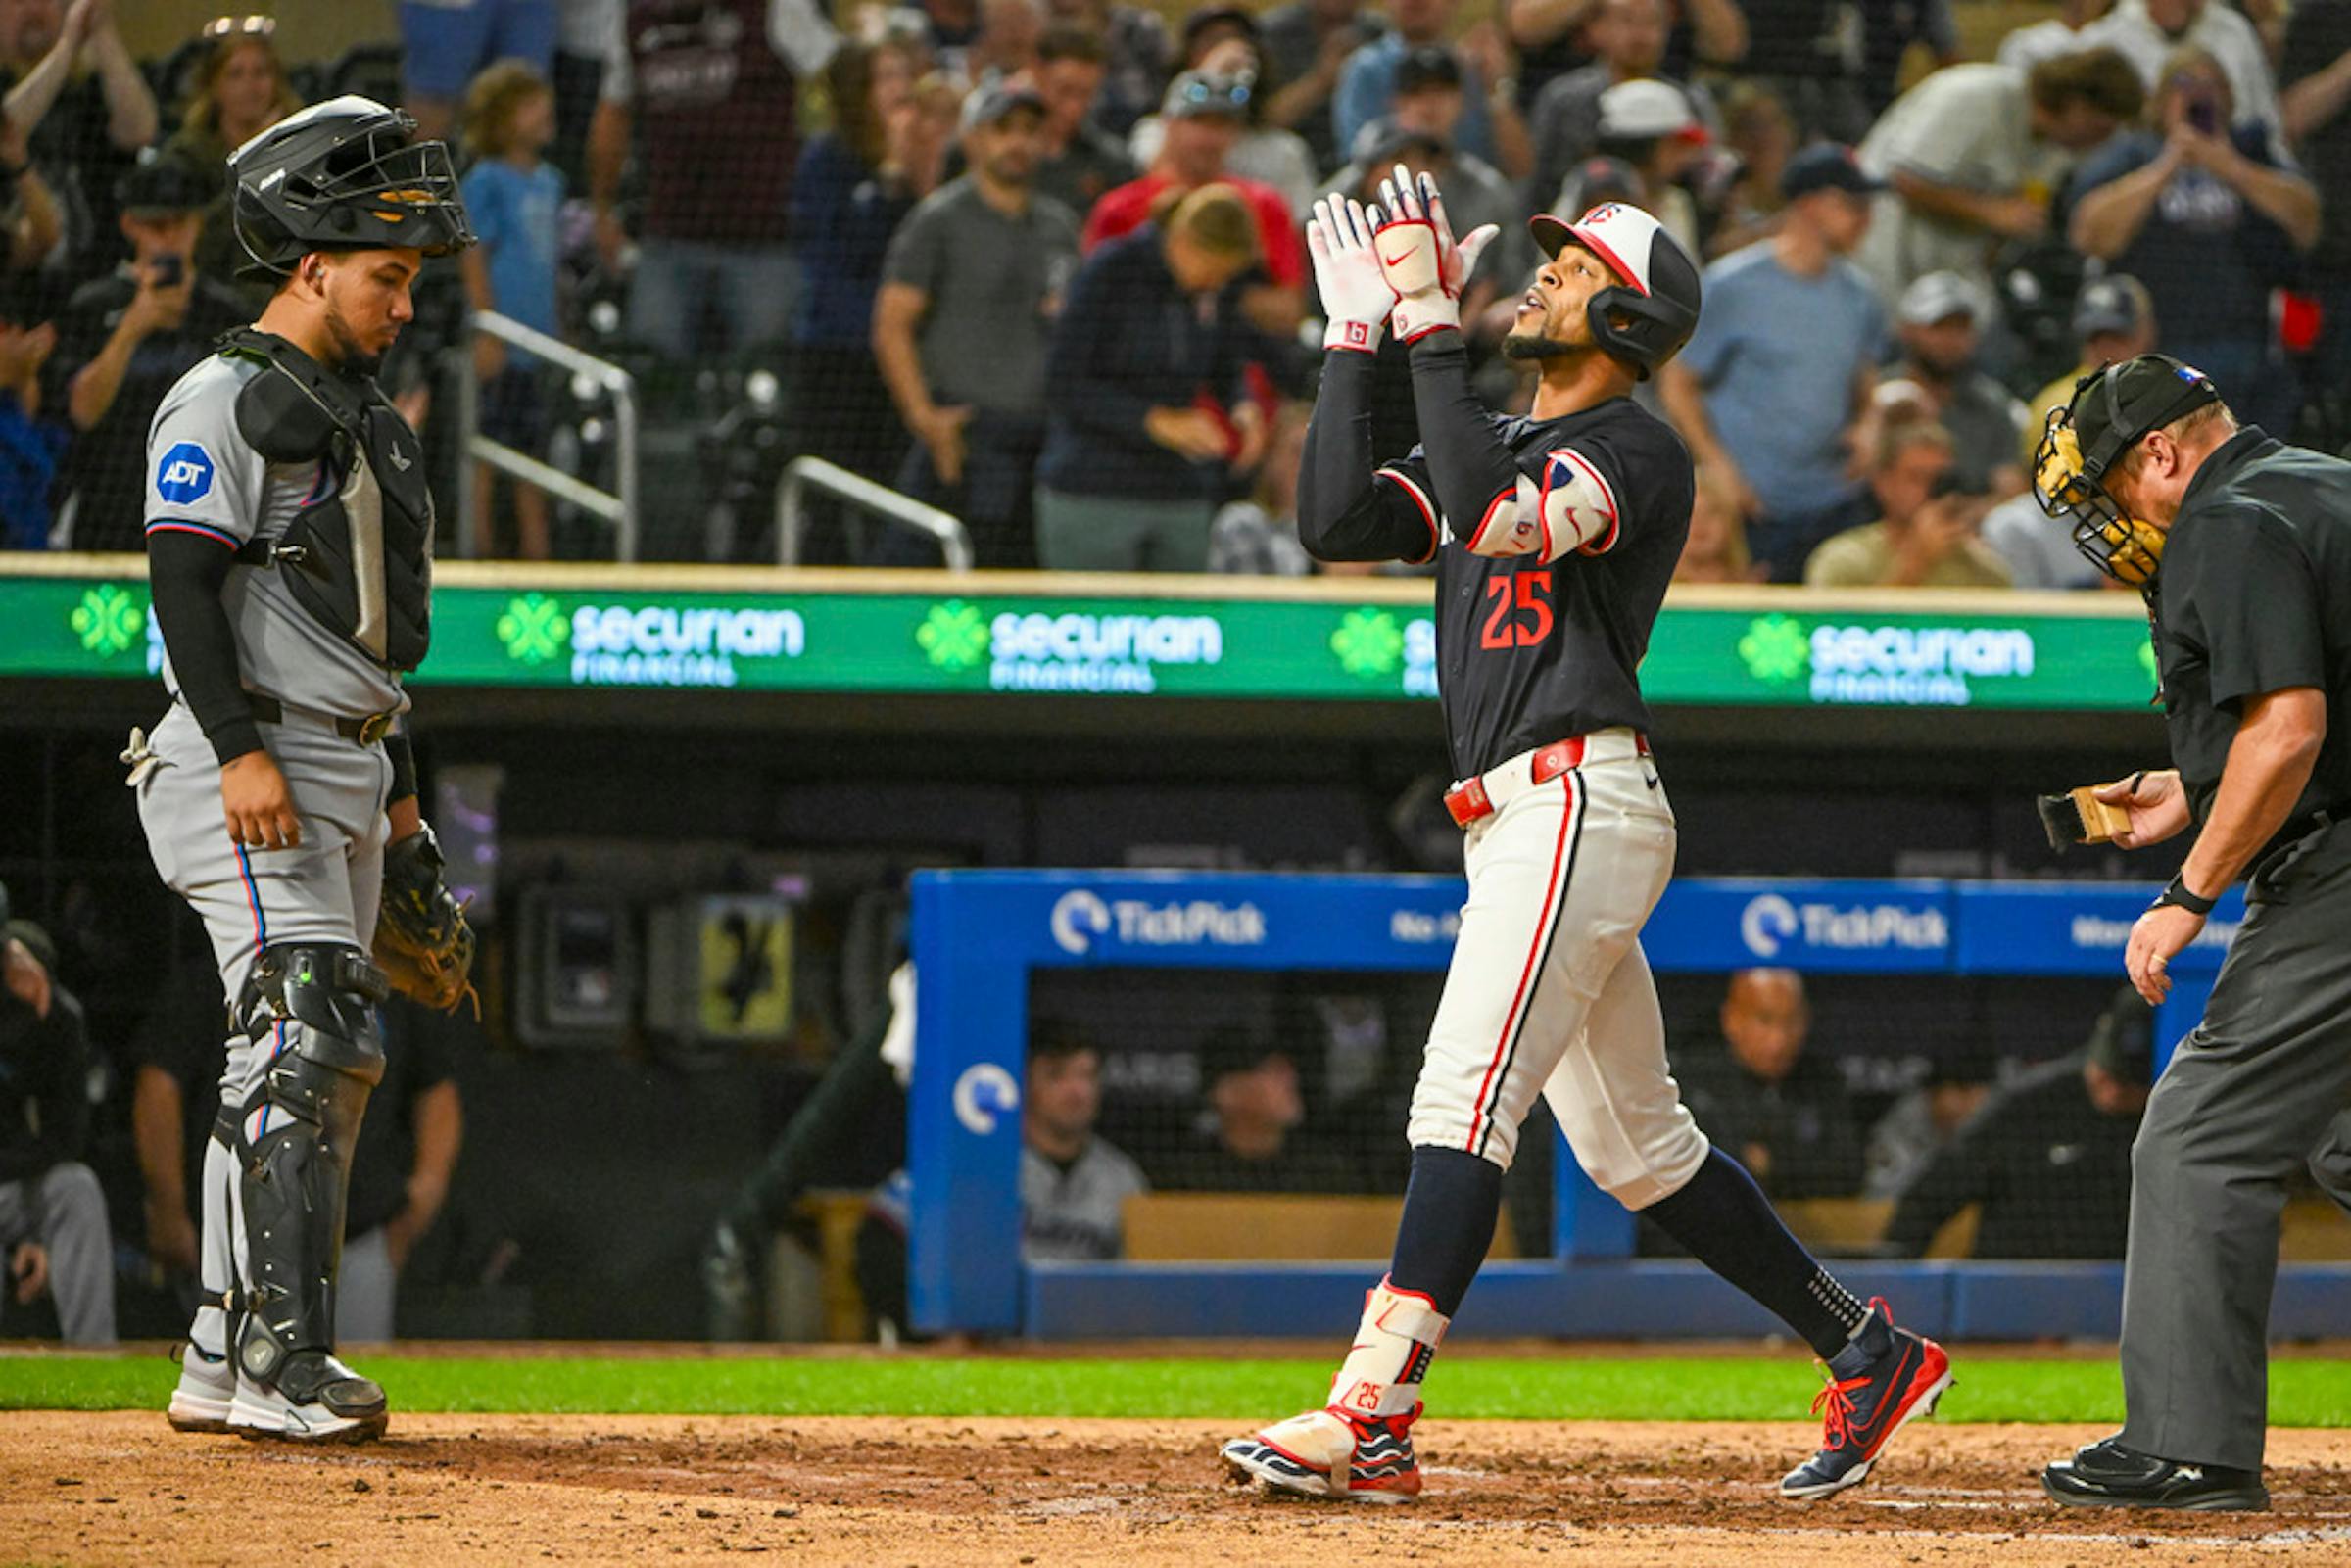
(1651, 313)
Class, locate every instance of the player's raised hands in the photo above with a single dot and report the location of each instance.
(1356, 297)
(1426, 267)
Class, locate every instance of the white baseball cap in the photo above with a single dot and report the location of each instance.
(1634, 110)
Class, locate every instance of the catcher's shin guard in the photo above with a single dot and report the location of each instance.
(313, 1005)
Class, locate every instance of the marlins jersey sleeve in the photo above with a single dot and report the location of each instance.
(205, 479)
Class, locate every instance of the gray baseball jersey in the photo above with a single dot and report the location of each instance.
(204, 477)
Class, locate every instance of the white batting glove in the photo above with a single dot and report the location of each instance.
(1426, 267)
(1356, 298)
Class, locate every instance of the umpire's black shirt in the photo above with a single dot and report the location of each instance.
(2255, 597)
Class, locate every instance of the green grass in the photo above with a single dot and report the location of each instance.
(1761, 1387)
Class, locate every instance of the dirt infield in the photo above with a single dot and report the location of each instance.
(121, 1487)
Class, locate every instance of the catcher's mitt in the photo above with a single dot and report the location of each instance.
(423, 942)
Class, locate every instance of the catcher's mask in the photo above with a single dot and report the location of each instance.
(2111, 409)
(343, 175)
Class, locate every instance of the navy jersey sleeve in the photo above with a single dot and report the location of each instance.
(1350, 508)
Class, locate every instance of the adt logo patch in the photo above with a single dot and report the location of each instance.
(186, 475)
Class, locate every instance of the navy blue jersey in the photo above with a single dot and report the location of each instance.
(1529, 650)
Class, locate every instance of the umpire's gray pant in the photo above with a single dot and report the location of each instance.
(66, 1215)
(2259, 1088)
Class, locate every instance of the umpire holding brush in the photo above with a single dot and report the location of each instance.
(2243, 548)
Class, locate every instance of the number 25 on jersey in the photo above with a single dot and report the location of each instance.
(1518, 614)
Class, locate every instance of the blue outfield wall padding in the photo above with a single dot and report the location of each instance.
(978, 935)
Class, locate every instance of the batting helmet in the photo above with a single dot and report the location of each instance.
(343, 175)
(1646, 317)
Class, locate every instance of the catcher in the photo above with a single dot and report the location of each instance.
(289, 548)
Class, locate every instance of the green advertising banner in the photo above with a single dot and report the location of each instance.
(1808, 653)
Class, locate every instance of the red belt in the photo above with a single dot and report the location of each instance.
(1468, 800)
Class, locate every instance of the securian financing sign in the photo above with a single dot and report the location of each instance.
(1069, 650)
(656, 645)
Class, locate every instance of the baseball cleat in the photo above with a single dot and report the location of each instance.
(317, 1398)
(1305, 1455)
(1894, 1375)
(207, 1385)
(2108, 1475)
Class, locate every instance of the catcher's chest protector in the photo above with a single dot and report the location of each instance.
(358, 556)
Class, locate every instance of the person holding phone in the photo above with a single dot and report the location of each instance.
(2205, 216)
(1929, 533)
(123, 341)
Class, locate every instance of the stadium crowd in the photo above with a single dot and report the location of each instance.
(1039, 263)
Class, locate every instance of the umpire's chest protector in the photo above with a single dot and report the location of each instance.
(359, 554)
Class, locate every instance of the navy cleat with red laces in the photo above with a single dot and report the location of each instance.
(1331, 1453)
(1877, 1383)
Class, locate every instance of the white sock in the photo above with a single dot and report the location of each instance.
(1393, 1347)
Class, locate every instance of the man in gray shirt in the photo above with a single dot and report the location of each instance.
(1073, 1185)
(967, 290)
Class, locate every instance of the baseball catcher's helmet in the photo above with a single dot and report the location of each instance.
(343, 175)
(2111, 408)
(1645, 319)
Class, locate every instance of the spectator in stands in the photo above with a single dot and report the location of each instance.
(31, 225)
(514, 199)
(446, 44)
(1080, 161)
(1220, 44)
(1926, 533)
(1627, 38)
(401, 1171)
(2317, 74)
(1760, 135)
(1306, 44)
(123, 341)
(1247, 1137)
(1136, 55)
(857, 184)
(1006, 48)
(1419, 133)
(1715, 550)
(1972, 155)
(1774, 393)
(240, 91)
(1940, 323)
(2049, 1158)
(1491, 126)
(961, 326)
(1650, 127)
(1147, 397)
(53, 1234)
(2113, 321)
(1258, 537)
(1554, 37)
(1203, 118)
(1925, 1118)
(1890, 30)
(1074, 1184)
(2023, 48)
(2146, 33)
(1762, 1098)
(31, 443)
(2211, 223)
(715, 106)
(82, 130)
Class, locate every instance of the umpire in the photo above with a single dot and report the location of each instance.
(2243, 548)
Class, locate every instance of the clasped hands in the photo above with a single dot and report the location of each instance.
(1396, 260)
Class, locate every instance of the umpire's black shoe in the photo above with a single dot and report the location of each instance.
(2108, 1475)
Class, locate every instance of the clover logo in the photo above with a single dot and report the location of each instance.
(533, 629)
(108, 620)
(1369, 643)
(953, 635)
(1775, 648)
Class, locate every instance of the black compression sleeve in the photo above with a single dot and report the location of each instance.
(1344, 514)
(1467, 461)
(404, 764)
(187, 574)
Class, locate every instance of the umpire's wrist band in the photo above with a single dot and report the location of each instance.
(2174, 893)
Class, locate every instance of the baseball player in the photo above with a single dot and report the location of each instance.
(1555, 535)
(289, 537)
(2241, 546)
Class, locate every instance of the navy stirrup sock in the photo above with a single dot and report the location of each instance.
(1724, 1220)
(1450, 1210)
